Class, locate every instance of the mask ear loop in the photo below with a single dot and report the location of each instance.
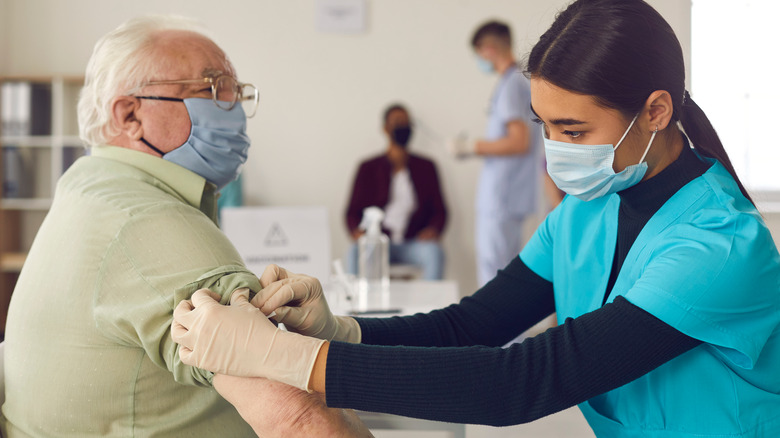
(682, 129)
(626, 133)
(162, 154)
(647, 149)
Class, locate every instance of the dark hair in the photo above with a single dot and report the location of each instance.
(619, 52)
(391, 108)
(495, 29)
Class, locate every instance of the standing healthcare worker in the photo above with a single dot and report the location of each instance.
(509, 180)
(664, 277)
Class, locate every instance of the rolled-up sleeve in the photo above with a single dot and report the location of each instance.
(155, 262)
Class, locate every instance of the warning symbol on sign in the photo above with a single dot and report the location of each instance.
(275, 236)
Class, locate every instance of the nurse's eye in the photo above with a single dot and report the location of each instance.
(572, 134)
(537, 120)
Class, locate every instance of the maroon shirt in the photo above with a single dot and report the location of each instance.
(372, 188)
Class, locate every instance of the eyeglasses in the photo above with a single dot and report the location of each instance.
(225, 92)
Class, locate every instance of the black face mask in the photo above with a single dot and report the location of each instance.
(401, 135)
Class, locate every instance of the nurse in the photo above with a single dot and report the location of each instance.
(665, 279)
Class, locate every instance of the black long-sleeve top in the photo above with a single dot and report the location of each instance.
(468, 378)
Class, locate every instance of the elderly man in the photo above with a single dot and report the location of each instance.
(131, 232)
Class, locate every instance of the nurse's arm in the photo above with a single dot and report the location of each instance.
(274, 409)
(517, 141)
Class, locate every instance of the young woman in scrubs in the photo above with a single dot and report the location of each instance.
(664, 277)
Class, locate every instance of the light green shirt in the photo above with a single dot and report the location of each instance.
(88, 347)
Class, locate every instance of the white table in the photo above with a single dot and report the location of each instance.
(406, 298)
(410, 297)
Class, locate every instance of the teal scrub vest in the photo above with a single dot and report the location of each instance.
(705, 264)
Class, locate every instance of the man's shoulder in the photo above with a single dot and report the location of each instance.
(516, 80)
(116, 185)
(374, 161)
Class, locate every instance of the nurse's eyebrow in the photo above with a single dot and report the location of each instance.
(532, 110)
(563, 121)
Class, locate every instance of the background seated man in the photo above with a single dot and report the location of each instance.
(406, 186)
(132, 232)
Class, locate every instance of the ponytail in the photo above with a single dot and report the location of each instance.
(704, 138)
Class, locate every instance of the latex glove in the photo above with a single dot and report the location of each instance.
(240, 341)
(461, 147)
(301, 306)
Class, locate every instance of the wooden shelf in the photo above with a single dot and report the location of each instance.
(12, 261)
(40, 141)
(37, 164)
(25, 203)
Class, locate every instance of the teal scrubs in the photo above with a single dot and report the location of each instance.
(706, 265)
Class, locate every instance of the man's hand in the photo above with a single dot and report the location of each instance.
(356, 233)
(239, 340)
(300, 305)
(428, 233)
(516, 142)
(274, 409)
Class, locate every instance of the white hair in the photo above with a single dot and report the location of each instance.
(121, 61)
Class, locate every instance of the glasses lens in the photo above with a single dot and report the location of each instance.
(226, 90)
(249, 99)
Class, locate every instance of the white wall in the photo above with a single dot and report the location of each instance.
(322, 94)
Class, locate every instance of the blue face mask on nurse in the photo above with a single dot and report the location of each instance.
(582, 161)
(586, 171)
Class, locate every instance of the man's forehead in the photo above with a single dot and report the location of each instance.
(397, 114)
(192, 54)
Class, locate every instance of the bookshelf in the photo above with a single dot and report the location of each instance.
(39, 141)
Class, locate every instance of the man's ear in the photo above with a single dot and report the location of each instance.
(659, 110)
(124, 114)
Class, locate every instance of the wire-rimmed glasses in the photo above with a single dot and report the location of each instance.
(226, 91)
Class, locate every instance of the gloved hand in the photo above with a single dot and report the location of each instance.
(461, 146)
(240, 341)
(300, 305)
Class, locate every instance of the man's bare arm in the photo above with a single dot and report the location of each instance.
(277, 410)
(517, 141)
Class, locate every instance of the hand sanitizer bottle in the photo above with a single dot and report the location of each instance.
(373, 263)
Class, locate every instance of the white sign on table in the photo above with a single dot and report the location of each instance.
(296, 238)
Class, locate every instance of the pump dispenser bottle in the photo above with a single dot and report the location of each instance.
(373, 263)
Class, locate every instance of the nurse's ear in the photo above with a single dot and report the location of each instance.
(658, 111)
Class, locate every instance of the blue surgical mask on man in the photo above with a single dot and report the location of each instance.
(585, 171)
(485, 66)
(217, 146)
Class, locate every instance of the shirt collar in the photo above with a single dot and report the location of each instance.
(191, 187)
